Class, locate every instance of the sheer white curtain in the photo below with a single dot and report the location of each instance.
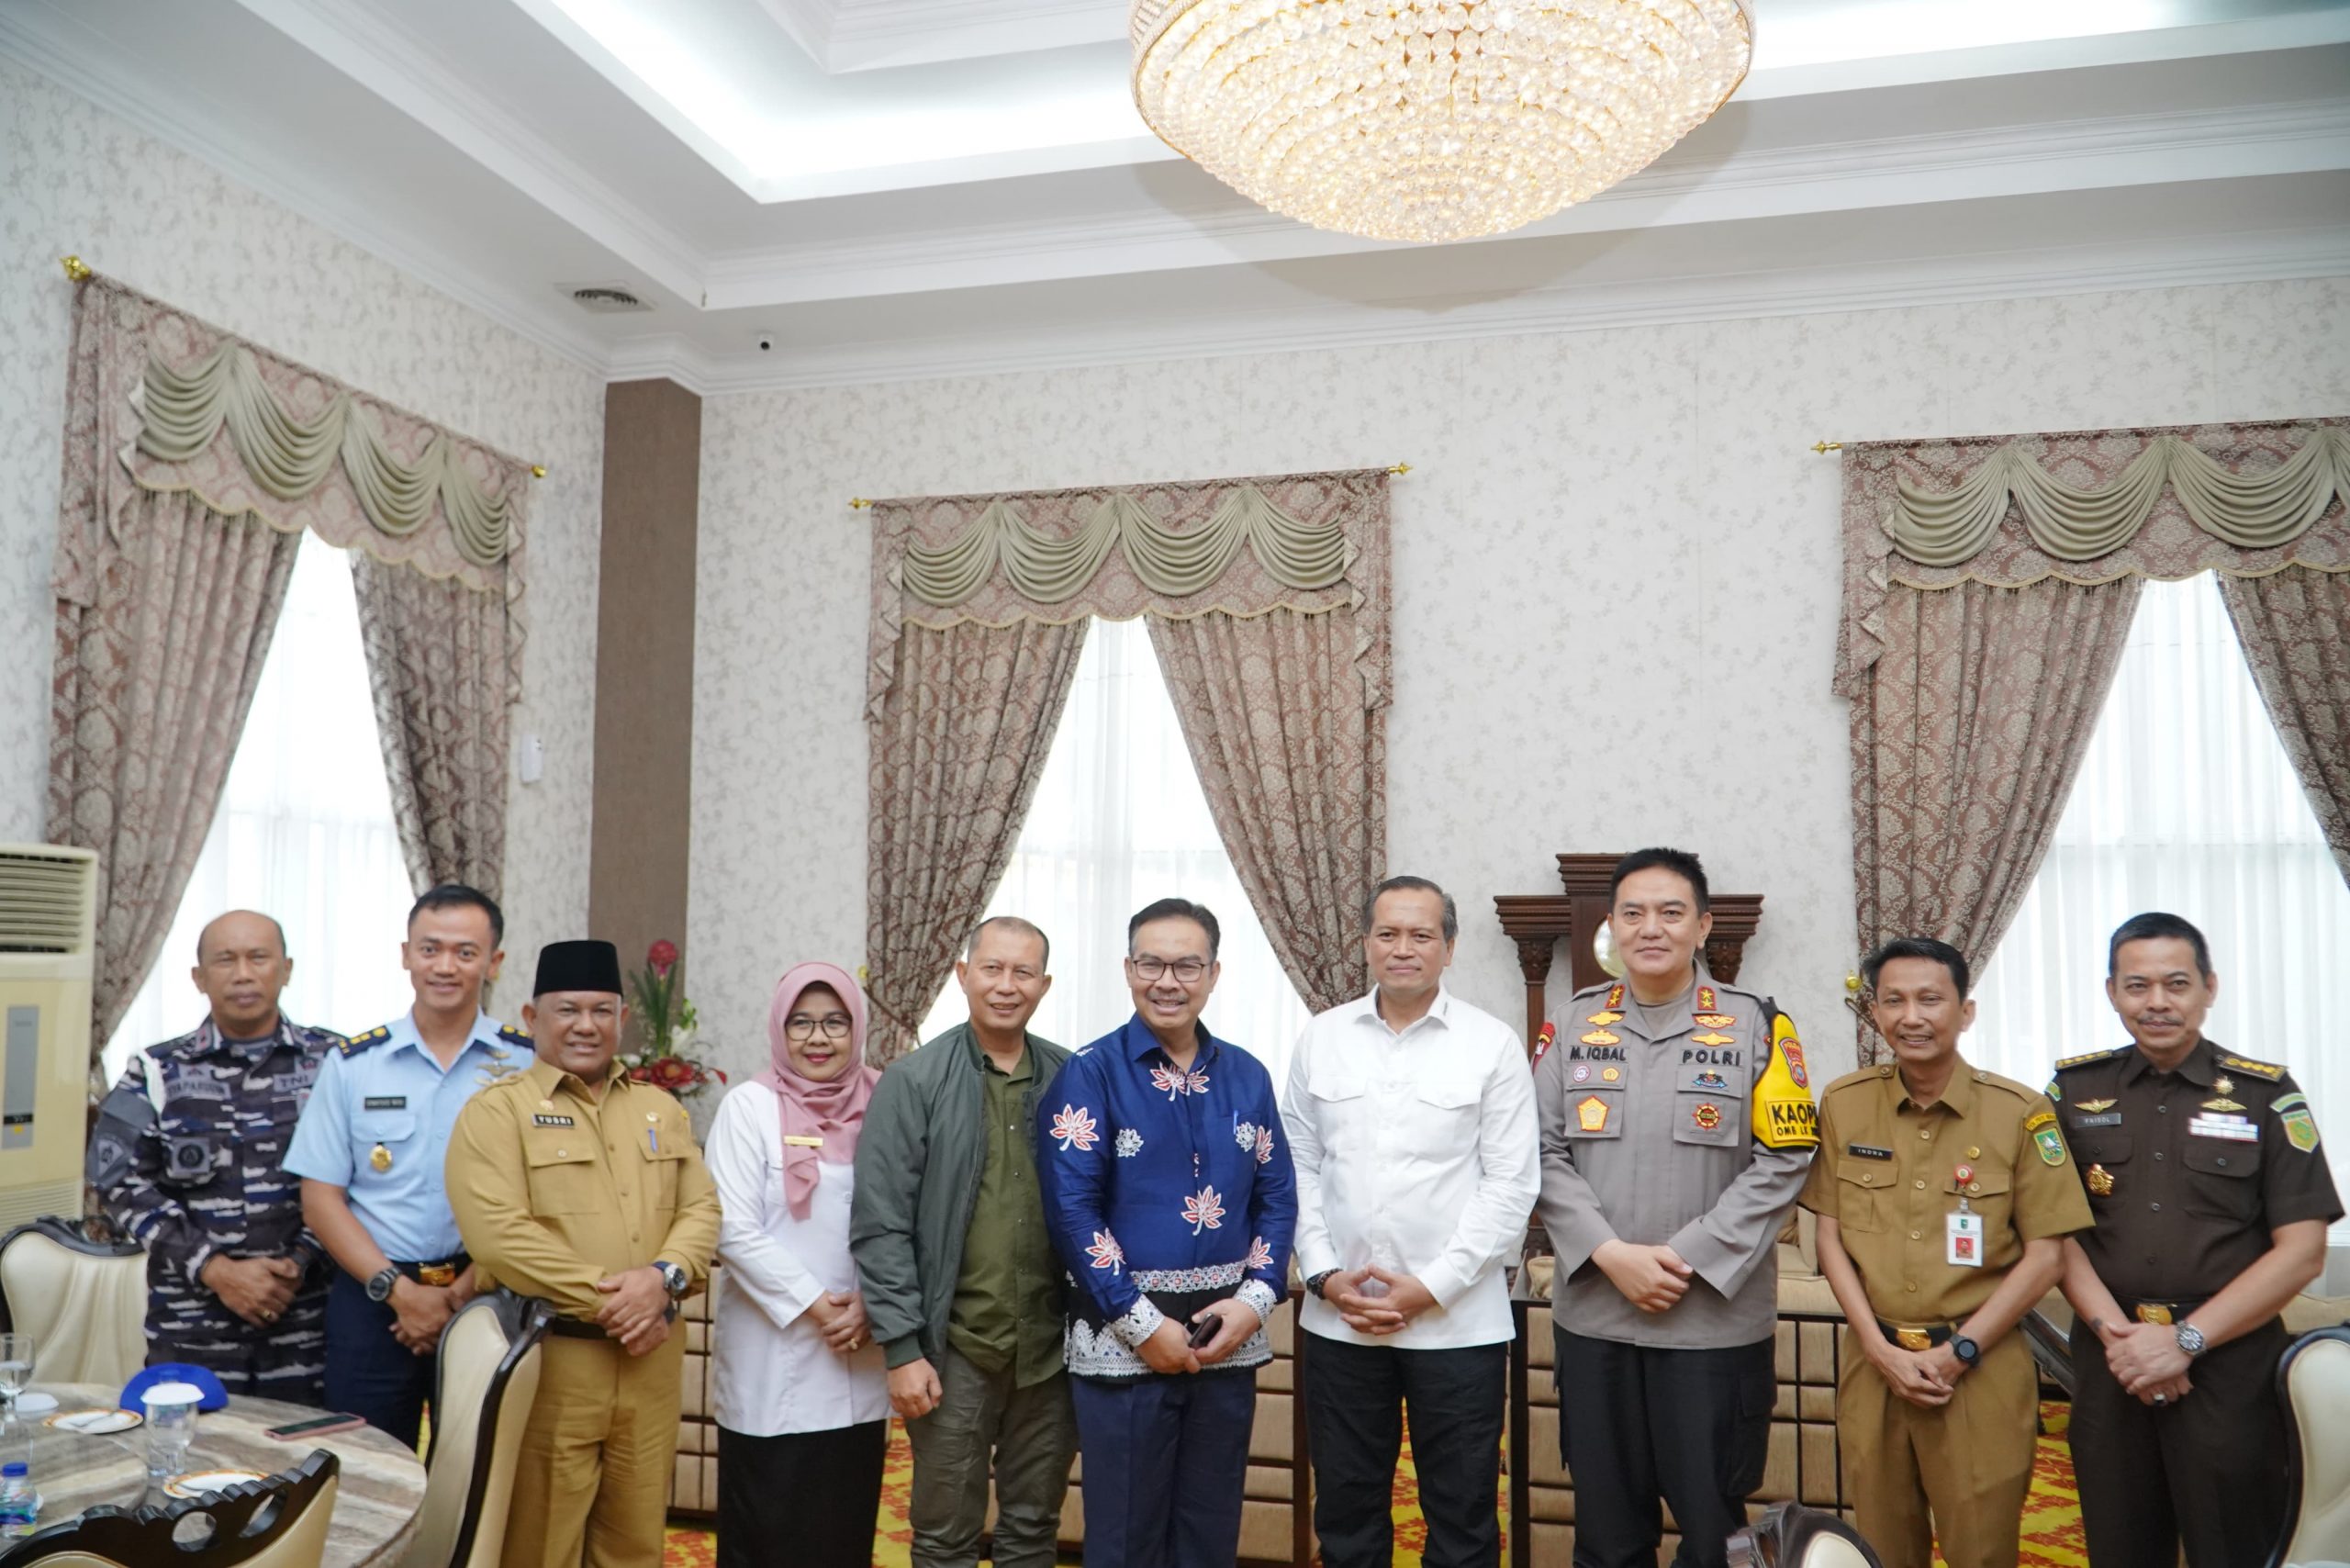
(304, 832)
(2186, 802)
(1119, 820)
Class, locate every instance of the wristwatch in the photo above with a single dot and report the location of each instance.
(675, 1278)
(379, 1286)
(1967, 1351)
(1317, 1282)
(2190, 1339)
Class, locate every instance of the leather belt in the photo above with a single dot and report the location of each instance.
(2167, 1312)
(442, 1273)
(1923, 1337)
(575, 1328)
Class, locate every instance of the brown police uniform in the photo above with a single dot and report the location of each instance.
(1891, 1173)
(2187, 1173)
(554, 1191)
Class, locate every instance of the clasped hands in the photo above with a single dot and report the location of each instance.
(1652, 1277)
(1404, 1298)
(2145, 1359)
(258, 1290)
(1924, 1378)
(636, 1308)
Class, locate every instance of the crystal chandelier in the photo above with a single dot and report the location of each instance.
(1431, 119)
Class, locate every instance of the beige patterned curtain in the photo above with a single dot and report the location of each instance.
(1259, 592)
(2295, 628)
(436, 654)
(192, 463)
(1977, 665)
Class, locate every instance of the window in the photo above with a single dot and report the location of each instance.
(304, 832)
(1119, 820)
(2186, 802)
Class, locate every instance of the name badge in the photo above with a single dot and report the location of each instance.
(1962, 1240)
(386, 1102)
(2103, 1119)
(2235, 1129)
(793, 1140)
(1867, 1151)
(542, 1120)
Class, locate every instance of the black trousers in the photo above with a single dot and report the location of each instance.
(1637, 1424)
(1356, 1396)
(369, 1373)
(2207, 1474)
(800, 1499)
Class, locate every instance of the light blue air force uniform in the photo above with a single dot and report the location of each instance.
(384, 1089)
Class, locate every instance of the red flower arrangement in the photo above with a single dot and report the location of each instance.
(667, 1022)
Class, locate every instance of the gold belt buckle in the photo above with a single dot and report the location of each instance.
(1913, 1338)
(436, 1274)
(2154, 1312)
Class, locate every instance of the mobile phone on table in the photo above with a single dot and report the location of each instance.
(316, 1427)
(1205, 1329)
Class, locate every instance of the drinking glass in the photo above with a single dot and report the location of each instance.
(16, 1368)
(171, 1425)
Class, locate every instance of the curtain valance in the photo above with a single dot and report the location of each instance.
(1310, 542)
(182, 413)
(2085, 508)
(171, 404)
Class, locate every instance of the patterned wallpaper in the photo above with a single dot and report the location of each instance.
(1616, 580)
(76, 179)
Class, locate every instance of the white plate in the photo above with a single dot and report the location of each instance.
(96, 1423)
(36, 1403)
(204, 1483)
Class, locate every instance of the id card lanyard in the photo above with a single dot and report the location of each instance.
(1963, 1231)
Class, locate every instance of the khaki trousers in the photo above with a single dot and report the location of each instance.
(591, 1489)
(1964, 1467)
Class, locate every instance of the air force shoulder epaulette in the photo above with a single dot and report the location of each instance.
(368, 1041)
(514, 1033)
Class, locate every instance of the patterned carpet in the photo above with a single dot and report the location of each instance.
(2052, 1519)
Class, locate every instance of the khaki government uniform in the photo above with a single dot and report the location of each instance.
(554, 1191)
(1889, 1173)
(2189, 1174)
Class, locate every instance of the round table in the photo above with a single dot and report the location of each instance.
(375, 1505)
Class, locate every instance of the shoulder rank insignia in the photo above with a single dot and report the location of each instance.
(515, 1033)
(1545, 1039)
(2088, 1056)
(2094, 1106)
(2268, 1070)
(1611, 1010)
(357, 1043)
(2301, 1127)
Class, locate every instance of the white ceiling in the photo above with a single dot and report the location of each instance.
(884, 188)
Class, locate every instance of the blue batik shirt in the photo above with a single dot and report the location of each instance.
(378, 1122)
(1165, 1189)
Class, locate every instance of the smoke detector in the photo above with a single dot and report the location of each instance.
(603, 299)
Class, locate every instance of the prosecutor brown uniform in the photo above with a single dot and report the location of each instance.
(2213, 1197)
(575, 1185)
(1943, 1193)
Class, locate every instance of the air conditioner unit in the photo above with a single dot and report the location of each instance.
(48, 941)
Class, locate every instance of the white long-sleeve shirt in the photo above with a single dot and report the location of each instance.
(774, 1371)
(1419, 1146)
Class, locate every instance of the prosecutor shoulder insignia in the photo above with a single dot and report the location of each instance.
(2301, 1126)
(2268, 1070)
(368, 1041)
(2088, 1056)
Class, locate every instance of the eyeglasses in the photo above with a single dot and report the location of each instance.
(1151, 966)
(799, 1026)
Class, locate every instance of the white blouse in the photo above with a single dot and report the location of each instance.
(774, 1373)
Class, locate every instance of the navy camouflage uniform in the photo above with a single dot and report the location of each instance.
(187, 1157)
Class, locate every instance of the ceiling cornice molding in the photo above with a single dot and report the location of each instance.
(810, 23)
(83, 71)
(2157, 148)
(2254, 257)
(866, 34)
(411, 81)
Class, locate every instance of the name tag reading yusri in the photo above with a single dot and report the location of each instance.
(1962, 1240)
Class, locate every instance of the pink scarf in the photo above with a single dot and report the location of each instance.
(834, 1112)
